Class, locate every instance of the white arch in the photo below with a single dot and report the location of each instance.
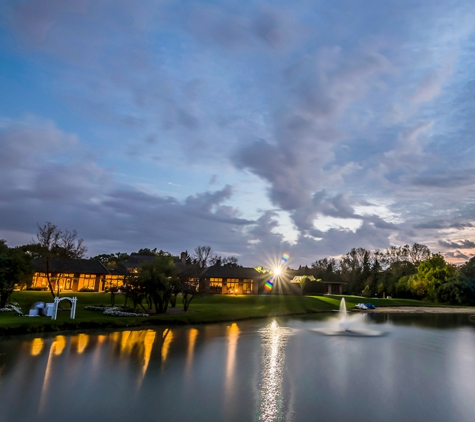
(57, 299)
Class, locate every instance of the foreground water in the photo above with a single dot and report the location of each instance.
(421, 369)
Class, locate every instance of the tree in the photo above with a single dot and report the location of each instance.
(112, 260)
(419, 253)
(15, 268)
(188, 293)
(355, 268)
(155, 282)
(202, 256)
(188, 281)
(52, 243)
(431, 274)
(227, 261)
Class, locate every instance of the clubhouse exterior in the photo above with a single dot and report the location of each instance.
(231, 280)
(91, 275)
(75, 275)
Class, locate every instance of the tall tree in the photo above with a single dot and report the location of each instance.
(54, 243)
(202, 256)
(158, 281)
(431, 274)
(15, 268)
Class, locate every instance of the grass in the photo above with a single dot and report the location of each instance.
(203, 309)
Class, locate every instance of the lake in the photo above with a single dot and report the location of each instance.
(421, 368)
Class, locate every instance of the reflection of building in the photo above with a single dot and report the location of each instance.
(76, 274)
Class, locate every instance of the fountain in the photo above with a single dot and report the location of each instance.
(347, 325)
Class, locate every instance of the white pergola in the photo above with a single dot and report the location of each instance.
(73, 301)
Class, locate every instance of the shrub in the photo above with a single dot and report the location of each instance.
(37, 289)
(86, 289)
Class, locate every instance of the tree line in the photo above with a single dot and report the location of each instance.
(400, 271)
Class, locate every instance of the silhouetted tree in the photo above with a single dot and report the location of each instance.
(53, 242)
(15, 268)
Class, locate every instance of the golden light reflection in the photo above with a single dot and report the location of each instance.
(36, 346)
(148, 346)
(167, 339)
(115, 337)
(83, 340)
(124, 338)
(58, 345)
(271, 404)
(193, 333)
(233, 335)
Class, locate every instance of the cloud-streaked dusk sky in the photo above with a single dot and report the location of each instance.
(306, 127)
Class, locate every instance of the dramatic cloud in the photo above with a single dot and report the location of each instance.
(256, 127)
(462, 244)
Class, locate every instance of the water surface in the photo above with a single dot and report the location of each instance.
(422, 369)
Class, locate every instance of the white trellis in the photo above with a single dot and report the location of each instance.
(73, 301)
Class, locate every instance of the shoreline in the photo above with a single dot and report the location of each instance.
(72, 326)
(416, 310)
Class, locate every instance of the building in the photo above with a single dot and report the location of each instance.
(231, 280)
(328, 287)
(75, 275)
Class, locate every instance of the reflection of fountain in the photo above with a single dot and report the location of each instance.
(347, 325)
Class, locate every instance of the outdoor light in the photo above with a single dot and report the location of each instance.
(277, 270)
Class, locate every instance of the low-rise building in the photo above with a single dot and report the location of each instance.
(231, 280)
(75, 275)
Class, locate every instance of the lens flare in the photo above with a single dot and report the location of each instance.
(285, 257)
(269, 284)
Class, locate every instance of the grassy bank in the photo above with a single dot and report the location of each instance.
(203, 309)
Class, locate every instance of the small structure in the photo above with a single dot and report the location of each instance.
(73, 301)
(327, 287)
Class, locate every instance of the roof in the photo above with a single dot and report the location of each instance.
(298, 278)
(73, 266)
(231, 272)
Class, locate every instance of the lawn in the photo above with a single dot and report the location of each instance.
(203, 309)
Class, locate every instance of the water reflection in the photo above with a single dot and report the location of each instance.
(193, 333)
(36, 346)
(148, 341)
(232, 333)
(56, 349)
(271, 402)
(252, 370)
(83, 339)
(167, 339)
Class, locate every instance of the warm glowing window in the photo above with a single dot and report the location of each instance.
(113, 280)
(216, 282)
(248, 285)
(232, 284)
(40, 280)
(215, 285)
(87, 280)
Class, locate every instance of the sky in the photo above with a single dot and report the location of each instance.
(257, 128)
